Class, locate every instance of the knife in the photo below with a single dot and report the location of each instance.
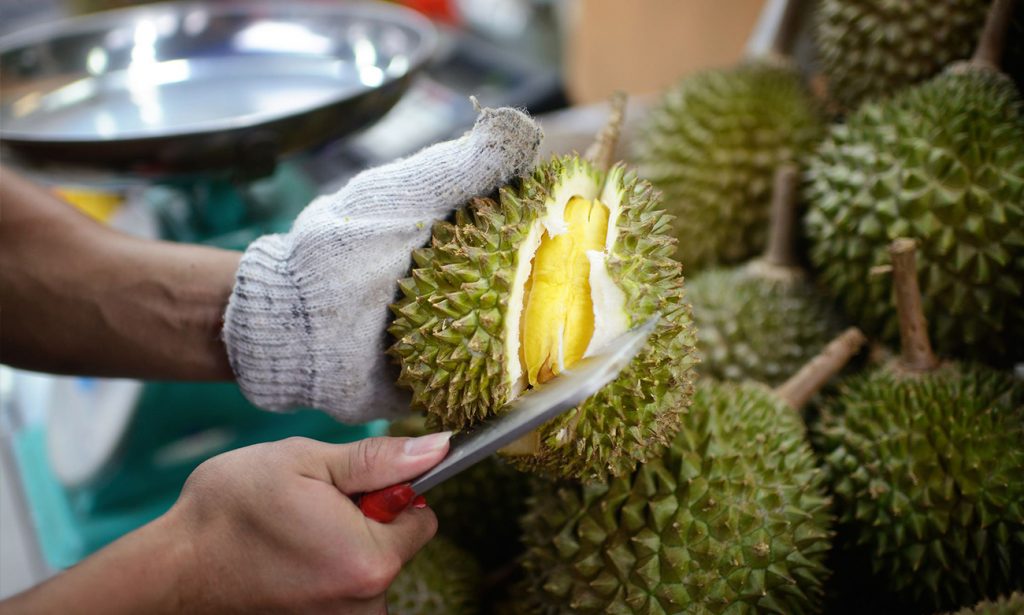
(528, 412)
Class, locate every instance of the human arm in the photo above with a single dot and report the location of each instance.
(78, 297)
(267, 528)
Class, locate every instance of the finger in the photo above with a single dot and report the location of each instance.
(502, 145)
(407, 534)
(375, 463)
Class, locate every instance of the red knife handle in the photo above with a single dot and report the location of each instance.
(385, 504)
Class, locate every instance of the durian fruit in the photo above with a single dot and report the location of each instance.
(872, 48)
(479, 508)
(713, 142)
(1007, 605)
(942, 162)
(926, 459)
(732, 518)
(765, 319)
(518, 288)
(441, 578)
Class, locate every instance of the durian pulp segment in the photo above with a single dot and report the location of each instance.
(564, 304)
(558, 320)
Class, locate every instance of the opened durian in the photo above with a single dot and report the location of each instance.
(713, 142)
(518, 289)
(732, 518)
(441, 578)
(941, 162)
(765, 319)
(927, 464)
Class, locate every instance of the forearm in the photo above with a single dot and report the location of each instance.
(77, 297)
(147, 571)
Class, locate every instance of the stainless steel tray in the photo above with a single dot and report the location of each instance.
(182, 87)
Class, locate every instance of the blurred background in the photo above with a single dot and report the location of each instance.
(84, 460)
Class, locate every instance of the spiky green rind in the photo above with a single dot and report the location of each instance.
(712, 146)
(928, 472)
(756, 326)
(732, 518)
(872, 48)
(942, 163)
(450, 327)
(441, 578)
(479, 510)
(1007, 605)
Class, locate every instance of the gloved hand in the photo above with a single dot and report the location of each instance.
(306, 322)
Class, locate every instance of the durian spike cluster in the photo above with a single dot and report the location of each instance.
(713, 142)
(765, 319)
(732, 518)
(872, 48)
(519, 286)
(942, 162)
(926, 459)
(441, 578)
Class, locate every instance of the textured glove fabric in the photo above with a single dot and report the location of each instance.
(306, 322)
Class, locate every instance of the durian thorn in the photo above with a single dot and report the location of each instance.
(989, 51)
(804, 384)
(780, 240)
(602, 152)
(775, 29)
(915, 347)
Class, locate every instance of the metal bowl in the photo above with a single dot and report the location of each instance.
(182, 87)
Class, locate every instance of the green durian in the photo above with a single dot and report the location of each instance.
(713, 141)
(478, 509)
(711, 146)
(1007, 605)
(942, 162)
(441, 578)
(763, 320)
(468, 336)
(732, 518)
(872, 48)
(926, 460)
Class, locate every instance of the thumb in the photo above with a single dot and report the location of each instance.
(502, 145)
(375, 463)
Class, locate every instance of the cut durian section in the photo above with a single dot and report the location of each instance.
(558, 317)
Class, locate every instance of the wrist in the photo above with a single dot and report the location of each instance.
(267, 329)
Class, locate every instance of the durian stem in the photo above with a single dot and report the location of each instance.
(602, 152)
(916, 349)
(775, 30)
(780, 240)
(990, 47)
(803, 385)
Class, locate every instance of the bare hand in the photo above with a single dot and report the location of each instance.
(271, 526)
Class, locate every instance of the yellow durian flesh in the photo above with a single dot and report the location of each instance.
(558, 315)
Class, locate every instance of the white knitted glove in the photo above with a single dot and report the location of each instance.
(306, 322)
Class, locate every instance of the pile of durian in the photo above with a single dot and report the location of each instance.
(827, 418)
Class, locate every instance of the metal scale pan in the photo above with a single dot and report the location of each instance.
(197, 87)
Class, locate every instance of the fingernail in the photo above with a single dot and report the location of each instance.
(422, 445)
(419, 502)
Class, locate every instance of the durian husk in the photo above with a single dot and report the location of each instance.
(928, 473)
(756, 326)
(441, 578)
(732, 518)
(451, 321)
(870, 49)
(1006, 605)
(943, 163)
(712, 145)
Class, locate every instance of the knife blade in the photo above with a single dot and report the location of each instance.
(528, 412)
